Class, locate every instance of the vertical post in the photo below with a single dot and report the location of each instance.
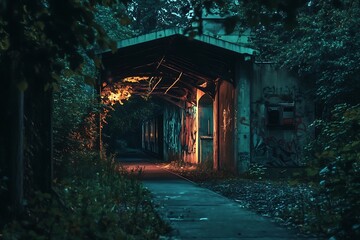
(216, 117)
(14, 137)
(100, 126)
(100, 135)
(242, 106)
(208, 127)
(46, 166)
(98, 97)
(17, 152)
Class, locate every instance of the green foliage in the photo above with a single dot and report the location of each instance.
(48, 46)
(71, 103)
(336, 150)
(152, 15)
(93, 202)
(114, 21)
(257, 170)
(124, 123)
(198, 172)
(74, 120)
(35, 35)
(321, 48)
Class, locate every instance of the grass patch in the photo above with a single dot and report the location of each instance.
(198, 172)
(92, 201)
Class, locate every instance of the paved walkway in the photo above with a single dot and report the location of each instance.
(198, 213)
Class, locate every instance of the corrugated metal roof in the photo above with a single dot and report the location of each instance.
(182, 63)
(178, 31)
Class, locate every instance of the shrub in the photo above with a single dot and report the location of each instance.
(92, 202)
(336, 150)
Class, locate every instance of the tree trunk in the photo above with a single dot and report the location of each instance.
(14, 125)
(16, 136)
(40, 113)
(99, 142)
(46, 167)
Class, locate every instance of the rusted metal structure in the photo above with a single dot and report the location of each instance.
(217, 111)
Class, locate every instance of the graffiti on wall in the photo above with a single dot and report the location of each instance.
(244, 160)
(180, 133)
(280, 146)
(226, 124)
(189, 131)
(276, 152)
(285, 92)
(172, 127)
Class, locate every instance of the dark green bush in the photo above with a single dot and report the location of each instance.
(94, 201)
(336, 151)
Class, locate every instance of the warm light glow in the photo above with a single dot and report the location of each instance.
(116, 93)
(204, 85)
(135, 79)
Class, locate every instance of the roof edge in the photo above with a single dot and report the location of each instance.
(179, 31)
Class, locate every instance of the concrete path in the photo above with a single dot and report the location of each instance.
(198, 213)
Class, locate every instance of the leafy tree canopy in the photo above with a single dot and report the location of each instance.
(322, 47)
(150, 15)
(39, 37)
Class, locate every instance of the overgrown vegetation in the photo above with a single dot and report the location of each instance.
(198, 172)
(336, 153)
(321, 47)
(43, 40)
(322, 198)
(95, 200)
(92, 197)
(125, 122)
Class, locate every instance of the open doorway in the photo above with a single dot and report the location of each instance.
(206, 129)
(123, 132)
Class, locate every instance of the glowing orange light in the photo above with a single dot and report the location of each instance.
(116, 93)
(135, 79)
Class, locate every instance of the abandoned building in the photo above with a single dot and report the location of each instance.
(224, 108)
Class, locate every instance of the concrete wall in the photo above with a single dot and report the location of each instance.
(280, 113)
(261, 118)
(172, 135)
(189, 134)
(172, 130)
(243, 78)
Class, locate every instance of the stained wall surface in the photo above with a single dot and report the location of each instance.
(243, 81)
(172, 129)
(172, 135)
(189, 134)
(281, 111)
(226, 120)
(261, 118)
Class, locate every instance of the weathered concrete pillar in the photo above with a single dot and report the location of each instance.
(216, 132)
(242, 114)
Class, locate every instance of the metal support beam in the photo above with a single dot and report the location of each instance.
(155, 86)
(174, 83)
